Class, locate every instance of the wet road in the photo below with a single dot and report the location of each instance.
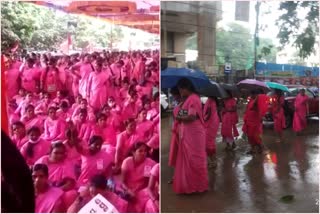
(245, 183)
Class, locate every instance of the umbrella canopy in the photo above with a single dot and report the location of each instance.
(213, 90)
(171, 76)
(275, 85)
(252, 84)
(228, 87)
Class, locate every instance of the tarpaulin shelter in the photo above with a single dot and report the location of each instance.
(143, 15)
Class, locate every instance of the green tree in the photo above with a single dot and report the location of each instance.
(292, 27)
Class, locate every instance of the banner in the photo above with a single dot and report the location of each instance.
(98, 205)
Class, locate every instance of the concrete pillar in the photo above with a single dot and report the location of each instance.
(206, 36)
(180, 46)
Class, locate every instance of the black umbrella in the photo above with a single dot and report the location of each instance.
(213, 90)
(232, 88)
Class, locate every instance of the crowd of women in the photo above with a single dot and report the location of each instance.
(88, 124)
(195, 128)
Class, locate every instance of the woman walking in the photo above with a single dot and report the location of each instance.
(300, 112)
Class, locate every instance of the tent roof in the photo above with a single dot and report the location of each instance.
(139, 14)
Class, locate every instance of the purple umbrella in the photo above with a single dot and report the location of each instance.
(251, 84)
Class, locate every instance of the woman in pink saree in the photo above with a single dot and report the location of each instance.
(135, 174)
(85, 68)
(97, 86)
(30, 77)
(190, 173)
(278, 114)
(152, 205)
(53, 126)
(144, 127)
(130, 108)
(301, 110)
(50, 80)
(60, 168)
(31, 119)
(97, 185)
(29, 100)
(94, 160)
(42, 107)
(106, 131)
(229, 122)
(35, 148)
(19, 137)
(212, 122)
(48, 198)
(125, 140)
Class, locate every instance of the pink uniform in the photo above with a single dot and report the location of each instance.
(191, 174)
(136, 181)
(94, 164)
(11, 77)
(30, 122)
(45, 202)
(212, 125)
(108, 134)
(54, 129)
(145, 130)
(85, 70)
(174, 141)
(97, 89)
(58, 171)
(51, 80)
(151, 206)
(40, 149)
(29, 77)
(229, 120)
(299, 118)
(125, 143)
(278, 114)
(19, 142)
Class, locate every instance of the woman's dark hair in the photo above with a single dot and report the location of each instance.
(98, 181)
(34, 129)
(83, 111)
(100, 115)
(95, 138)
(64, 104)
(41, 167)
(185, 83)
(137, 145)
(52, 107)
(175, 91)
(71, 132)
(99, 61)
(56, 145)
(18, 123)
(128, 121)
(125, 80)
(29, 106)
(16, 185)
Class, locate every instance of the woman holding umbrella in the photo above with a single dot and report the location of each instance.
(278, 113)
(191, 173)
(229, 121)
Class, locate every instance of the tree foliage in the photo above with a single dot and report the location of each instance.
(235, 44)
(42, 28)
(301, 31)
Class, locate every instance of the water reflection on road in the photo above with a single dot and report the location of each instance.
(244, 183)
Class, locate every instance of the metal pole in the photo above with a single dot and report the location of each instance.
(256, 38)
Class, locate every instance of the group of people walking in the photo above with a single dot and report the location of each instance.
(196, 126)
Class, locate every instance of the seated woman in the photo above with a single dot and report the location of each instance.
(53, 126)
(42, 107)
(48, 198)
(61, 173)
(135, 174)
(35, 147)
(152, 205)
(125, 140)
(94, 160)
(31, 119)
(19, 137)
(96, 186)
